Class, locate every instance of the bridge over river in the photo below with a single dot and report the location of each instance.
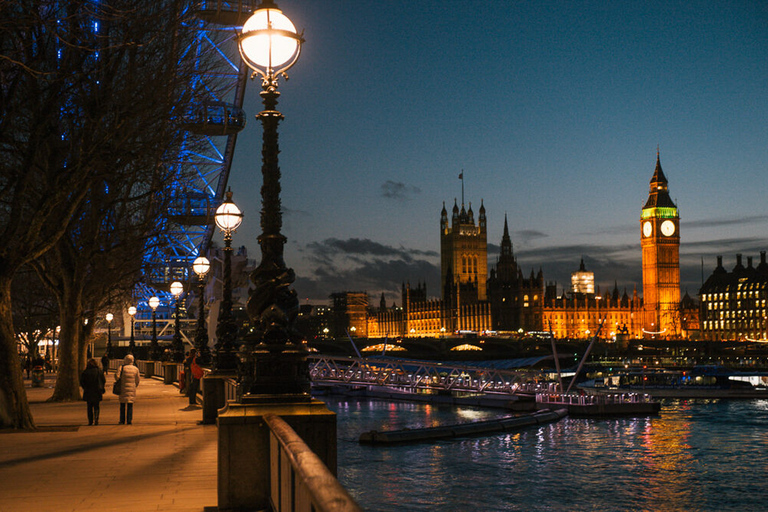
(495, 377)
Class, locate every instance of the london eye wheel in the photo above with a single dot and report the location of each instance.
(210, 130)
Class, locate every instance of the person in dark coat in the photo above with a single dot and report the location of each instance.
(92, 381)
(193, 373)
(105, 364)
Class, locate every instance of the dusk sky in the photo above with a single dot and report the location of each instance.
(553, 110)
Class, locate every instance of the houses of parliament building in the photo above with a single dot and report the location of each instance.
(505, 300)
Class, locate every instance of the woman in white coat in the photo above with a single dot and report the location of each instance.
(128, 376)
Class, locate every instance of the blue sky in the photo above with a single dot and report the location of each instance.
(553, 110)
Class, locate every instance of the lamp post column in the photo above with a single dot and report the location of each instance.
(228, 218)
(109, 318)
(276, 353)
(274, 374)
(201, 266)
(178, 345)
(132, 342)
(154, 347)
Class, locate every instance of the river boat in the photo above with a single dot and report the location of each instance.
(699, 382)
(599, 405)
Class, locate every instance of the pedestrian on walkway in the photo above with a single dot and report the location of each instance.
(194, 374)
(128, 376)
(105, 363)
(92, 381)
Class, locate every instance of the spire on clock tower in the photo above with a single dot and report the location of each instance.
(658, 196)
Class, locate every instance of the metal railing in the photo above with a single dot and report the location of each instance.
(300, 482)
(417, 375)
(579, 399)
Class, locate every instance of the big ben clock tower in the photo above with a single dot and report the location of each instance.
(660, 237)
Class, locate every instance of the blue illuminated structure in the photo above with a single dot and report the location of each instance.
(210, 133)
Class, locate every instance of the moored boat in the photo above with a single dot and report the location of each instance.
(700, 382)
(598, 405)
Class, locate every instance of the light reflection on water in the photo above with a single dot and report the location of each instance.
(696, 455)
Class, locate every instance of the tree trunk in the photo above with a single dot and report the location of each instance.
(70, 315)
(14, 408)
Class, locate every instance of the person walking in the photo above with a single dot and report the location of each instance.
(128, 377)
(92, 381)
(194, 374)
(105, 364)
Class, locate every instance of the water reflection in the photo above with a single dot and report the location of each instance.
(703, 455)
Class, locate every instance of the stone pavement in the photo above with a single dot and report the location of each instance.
(165, 460)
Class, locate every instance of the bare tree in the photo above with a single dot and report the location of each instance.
(35, 311)
(97, 263)
(89, 92)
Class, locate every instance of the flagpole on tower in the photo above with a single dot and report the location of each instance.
(461, 177)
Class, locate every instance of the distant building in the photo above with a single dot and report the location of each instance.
(733, 304)
(505, 301)
(582, 282)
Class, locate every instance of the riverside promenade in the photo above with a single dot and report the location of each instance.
(164, 461)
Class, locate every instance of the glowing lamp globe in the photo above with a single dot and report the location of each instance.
(132, 310)
(201, 266)
(109, 317)
(177, 289)
(269, 43)
(228, 216)
(154, 302)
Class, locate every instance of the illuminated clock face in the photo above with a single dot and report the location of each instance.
(667, 228)
(647, 228)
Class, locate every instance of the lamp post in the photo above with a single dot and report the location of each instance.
(177, 346)
(275, 359)
(228, 217)
(201, 266)
(154, 348)
(109, 318)
(132, 343)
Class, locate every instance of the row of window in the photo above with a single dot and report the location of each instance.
(737, 314)
(733, 324)
(758, 303)
(757, 292)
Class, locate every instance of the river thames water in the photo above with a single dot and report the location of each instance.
(696, 455)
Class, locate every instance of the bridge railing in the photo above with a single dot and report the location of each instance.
(417, 375)
(300, 481)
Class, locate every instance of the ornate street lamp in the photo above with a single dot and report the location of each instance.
(275, 359)
(132, 343)
(154, 348)
(201, 266)
(109, 318)
(228, 217)
(177, 346)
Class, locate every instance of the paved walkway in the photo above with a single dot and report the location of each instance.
(164, 461)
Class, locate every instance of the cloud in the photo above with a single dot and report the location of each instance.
(528, 235)
(735, 221)
(398, 190)
(358, 264)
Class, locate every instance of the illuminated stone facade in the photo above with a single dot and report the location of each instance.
(733, 304)
(660, 242)
(463, 255)
(507, 302)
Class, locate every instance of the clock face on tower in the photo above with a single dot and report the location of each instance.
(647, 228)
(667, 228)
